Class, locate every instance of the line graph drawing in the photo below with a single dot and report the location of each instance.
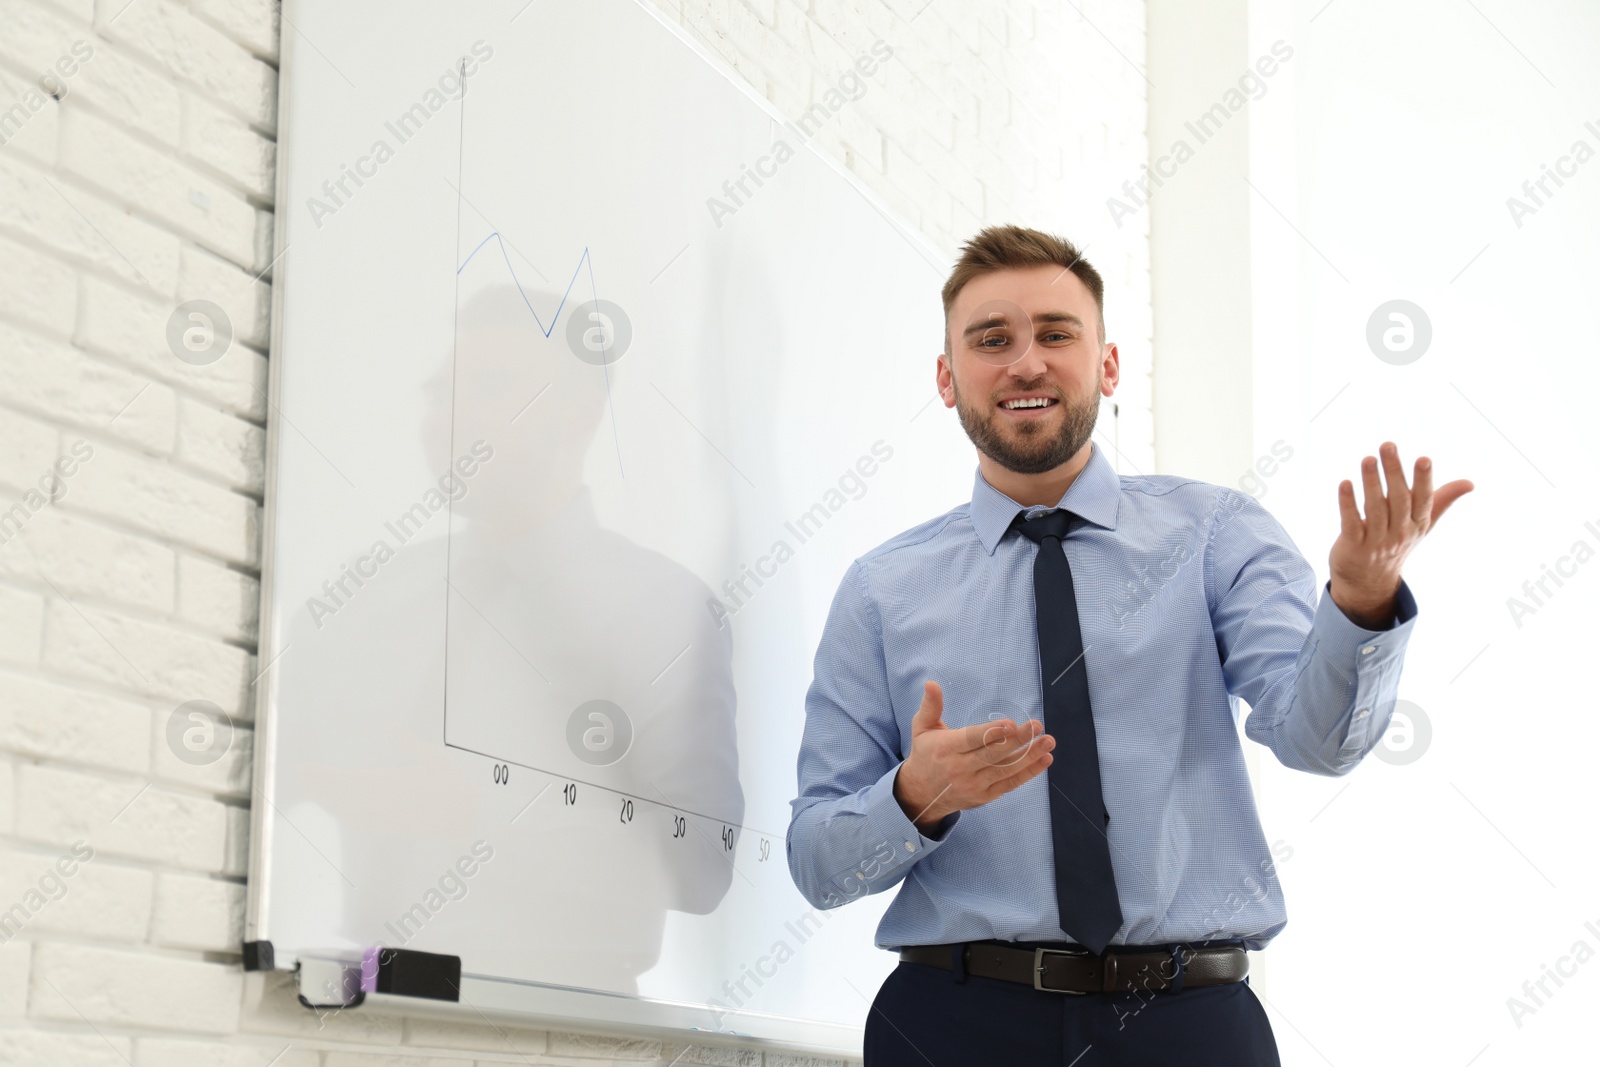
(461, 156)
(495, 236)
(486, 298)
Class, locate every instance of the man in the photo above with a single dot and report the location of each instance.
(1023, 710)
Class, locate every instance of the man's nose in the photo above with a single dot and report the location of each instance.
(1030, 365)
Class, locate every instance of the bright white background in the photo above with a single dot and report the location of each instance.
(1423, 894)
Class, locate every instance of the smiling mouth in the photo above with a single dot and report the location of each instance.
(1028, 405)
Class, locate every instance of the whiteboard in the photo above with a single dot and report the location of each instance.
(565, 464)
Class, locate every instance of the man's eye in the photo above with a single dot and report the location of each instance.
(1057, 333)
(984, 343)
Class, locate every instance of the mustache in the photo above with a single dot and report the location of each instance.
(1031, 387)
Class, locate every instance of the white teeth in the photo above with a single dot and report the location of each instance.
(1029, 402)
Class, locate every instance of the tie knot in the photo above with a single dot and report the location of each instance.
(1049, 524)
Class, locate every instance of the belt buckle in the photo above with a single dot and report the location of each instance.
(1038, 969)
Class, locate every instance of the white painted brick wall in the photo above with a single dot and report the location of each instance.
(133, 587)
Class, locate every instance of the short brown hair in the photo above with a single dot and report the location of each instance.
(1000, 247)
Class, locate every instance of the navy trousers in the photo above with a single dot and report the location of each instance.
(927, 1017)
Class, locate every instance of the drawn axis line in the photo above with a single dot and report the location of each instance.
(608, 789)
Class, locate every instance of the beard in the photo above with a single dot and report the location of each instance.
(1030, 447)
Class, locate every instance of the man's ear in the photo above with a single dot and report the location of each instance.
(1110, 367)
(944, 382)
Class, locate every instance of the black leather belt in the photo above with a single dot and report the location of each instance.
(1077, 970)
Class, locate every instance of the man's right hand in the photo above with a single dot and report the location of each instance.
(953, 770)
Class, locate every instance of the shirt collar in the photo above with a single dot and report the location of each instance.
(1093, 494)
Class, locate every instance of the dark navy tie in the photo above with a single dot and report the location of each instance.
(1086, 890)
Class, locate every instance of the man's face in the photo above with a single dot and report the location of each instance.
(1049, 314)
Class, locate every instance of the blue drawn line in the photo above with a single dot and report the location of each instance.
(495, 236)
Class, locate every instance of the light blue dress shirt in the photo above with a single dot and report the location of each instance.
(1191, 597)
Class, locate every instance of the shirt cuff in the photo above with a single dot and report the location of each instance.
(895, 844)
(1340, 624)
(889, 819)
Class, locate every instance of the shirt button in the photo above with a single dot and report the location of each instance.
(1369, 650)
(910, 847)
(1362, 714)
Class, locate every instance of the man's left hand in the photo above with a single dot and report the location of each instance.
(1364, 563)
